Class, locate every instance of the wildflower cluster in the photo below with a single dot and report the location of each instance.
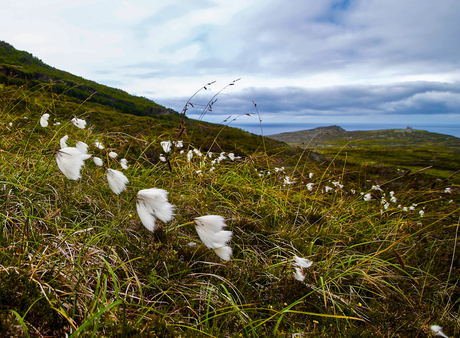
(151, 203)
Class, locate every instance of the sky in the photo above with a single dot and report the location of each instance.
(300, 61)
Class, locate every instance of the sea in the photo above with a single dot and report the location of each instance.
(276, 128)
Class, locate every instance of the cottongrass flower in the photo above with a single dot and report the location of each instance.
(63, 141)
(209, 228)
(70, 160)
(310, 186)
(117, 180)
(367, 197)
(231, 156)
(302, 262)
(438, 331)
(166, 146)
(82, 146)
(162, 158)
(189, 155)
(79, 123)
(99, 145)
(298, 274)
(287, 180)
(178, 144)
(44, 120)
(124, 163)
(153, 203)
(421, 212)
(113, 154)
(221, 157)
(97, 161)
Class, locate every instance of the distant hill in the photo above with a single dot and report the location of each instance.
(334, 136)
(21, 68)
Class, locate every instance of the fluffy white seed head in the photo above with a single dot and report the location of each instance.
(302, 262)
(166, 146)
(117, 180)
(113, 154)
(99, 145)
(437, 330)
(79, 123)
(153, 203)
(70, 160)
(82, 146)
(124, 163)
(178, 144)
(224, 252)
(209, 228)
(189, 155)
(298, 274)
(97, 161)
(44, 120)
(63, 141)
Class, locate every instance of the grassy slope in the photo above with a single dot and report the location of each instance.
(393, 148)
(75, 259)
(20, 68)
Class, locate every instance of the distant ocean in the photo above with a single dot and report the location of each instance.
(276, 128)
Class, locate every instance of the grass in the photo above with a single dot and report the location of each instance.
(75, 259)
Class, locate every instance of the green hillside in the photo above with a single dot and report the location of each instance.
(401, 149)
(109, 240)
(22, 68)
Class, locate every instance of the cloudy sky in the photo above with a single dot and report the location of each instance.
(301, 61)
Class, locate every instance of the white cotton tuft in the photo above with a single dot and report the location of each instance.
(99, 145)
(231, 156)
(63, 140)
(298, 274)
(224, 252)
(70, 160)
(79, 123)
(124, 163)
(153, 203)
(117, 180)
(209, 229)
(367, 197)
(213, 223)
(438, 331)
(302, 262)
(44, 120)
(82, 146)
(146, 217)
(113, 154)
(178, 144)
(166, 146)
(189, 155)
(97, 161)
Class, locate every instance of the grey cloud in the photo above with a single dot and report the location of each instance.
(430, 98)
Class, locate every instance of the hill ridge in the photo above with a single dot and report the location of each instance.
(23, 68)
